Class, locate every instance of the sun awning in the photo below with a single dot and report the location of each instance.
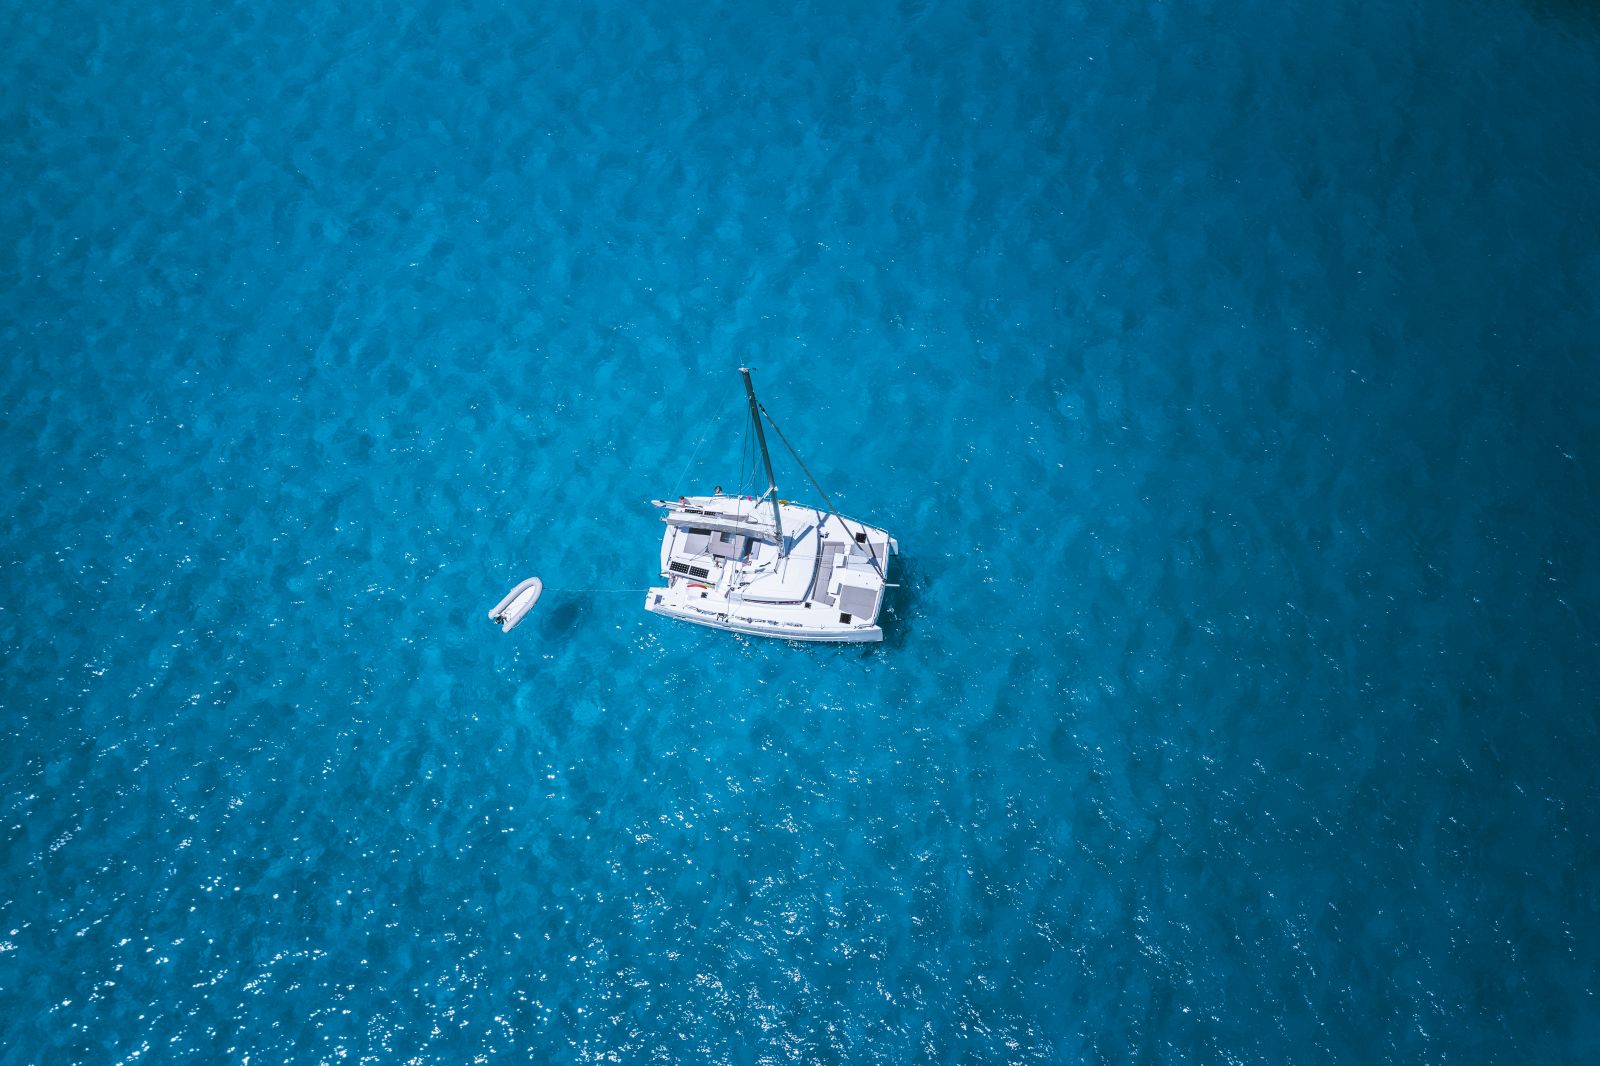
(858, 602)
(723, 524)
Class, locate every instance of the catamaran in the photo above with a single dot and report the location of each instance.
(769, 567)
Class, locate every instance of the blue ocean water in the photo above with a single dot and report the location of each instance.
(1227, 371)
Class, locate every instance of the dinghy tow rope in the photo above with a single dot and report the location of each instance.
(517, 604)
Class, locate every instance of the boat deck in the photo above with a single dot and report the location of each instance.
(723, 568)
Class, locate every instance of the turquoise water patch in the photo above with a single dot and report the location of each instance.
(1225, 371)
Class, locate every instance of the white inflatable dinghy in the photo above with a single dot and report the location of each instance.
(518, 602)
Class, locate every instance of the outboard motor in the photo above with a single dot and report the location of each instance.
(518, 602)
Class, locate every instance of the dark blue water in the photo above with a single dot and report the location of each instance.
(1227, 372)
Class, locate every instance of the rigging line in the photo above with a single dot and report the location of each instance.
(693, 455)
(834, 510)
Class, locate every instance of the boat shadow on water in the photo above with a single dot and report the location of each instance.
(902, 603)
(561, 619)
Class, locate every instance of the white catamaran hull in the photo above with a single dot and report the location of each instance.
(723, 569)
(756, 627)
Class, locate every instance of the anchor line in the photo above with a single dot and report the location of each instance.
(696, 453)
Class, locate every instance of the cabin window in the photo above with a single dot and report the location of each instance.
(844, 619)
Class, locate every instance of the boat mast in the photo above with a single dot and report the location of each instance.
(761, 439)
